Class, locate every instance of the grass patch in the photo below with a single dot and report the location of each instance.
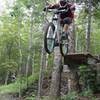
(14, 87)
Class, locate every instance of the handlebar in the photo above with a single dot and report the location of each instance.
(57, 11)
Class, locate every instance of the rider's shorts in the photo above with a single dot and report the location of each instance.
(67, 21)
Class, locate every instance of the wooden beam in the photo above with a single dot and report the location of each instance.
(80, 59)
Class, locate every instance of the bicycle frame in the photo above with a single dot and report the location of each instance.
(57, 37)
(58, 27)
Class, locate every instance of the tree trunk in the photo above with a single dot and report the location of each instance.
(73, 79)
(72, 38)
(23, 68)
(20, 53)
(42, 64)
(30, 54)
(56, 75)
(7, 76)
(88, 27)
(46, 61)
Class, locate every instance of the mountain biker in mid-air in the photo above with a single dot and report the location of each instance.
(66, 18)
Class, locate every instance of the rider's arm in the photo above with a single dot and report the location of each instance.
(55, 6)
(71, 6)
(72, 10)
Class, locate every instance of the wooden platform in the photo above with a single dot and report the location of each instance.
(80, 59)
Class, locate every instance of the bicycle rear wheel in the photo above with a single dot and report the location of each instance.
(49, 39)
(64, 45)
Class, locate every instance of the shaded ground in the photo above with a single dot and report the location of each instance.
(7, 97)
(33, 88)
(46, 88)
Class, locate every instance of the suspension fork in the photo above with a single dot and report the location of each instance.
(58, 30)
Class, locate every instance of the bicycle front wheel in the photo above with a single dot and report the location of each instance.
(49, 39)
(64, 45)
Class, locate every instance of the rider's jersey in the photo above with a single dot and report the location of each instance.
(66, 5)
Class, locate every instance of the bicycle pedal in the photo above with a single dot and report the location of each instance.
(56, 44)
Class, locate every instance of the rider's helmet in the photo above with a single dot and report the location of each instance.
(62, 2)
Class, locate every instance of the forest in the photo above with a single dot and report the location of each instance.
(29, 72)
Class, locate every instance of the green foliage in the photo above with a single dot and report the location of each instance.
(74, 95)
(88, 78)
(70, 96)
(30, 97)
(81, 22)
(14, 87)
(96, 14)
(9, 36)
(9, 66)
(88, 93)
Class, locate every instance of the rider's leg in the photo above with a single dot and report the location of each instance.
(65, 28)
(66, 22)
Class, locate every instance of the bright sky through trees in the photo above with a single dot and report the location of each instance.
(3, 5)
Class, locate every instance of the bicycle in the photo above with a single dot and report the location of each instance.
(54, 34)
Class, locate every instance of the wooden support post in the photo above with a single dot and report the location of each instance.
(73, 81)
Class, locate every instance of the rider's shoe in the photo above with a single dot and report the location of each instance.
(56, 42)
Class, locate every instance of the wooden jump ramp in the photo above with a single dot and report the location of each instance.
(76, 59)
